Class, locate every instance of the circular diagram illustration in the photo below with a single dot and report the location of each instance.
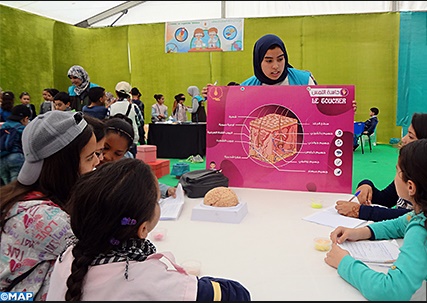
(236, 45)
(229, 32)
(171, 48)
(181, 34)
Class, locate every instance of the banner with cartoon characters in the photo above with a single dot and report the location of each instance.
(217, 35)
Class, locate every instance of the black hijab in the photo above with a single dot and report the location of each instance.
(263, 44)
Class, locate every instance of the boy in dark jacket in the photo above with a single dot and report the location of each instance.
(12, 158)
(370, 126)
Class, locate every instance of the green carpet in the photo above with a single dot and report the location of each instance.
(378, 166)
(172, 180)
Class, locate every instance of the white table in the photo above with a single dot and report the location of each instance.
(271, 252)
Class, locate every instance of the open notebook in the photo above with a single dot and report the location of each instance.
(379, 251)
(330, 217)
(170, 207)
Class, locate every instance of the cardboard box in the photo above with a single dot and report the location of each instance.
(160, 167)
(146, 153)
(234, 214)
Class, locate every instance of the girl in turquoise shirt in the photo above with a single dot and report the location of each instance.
(409, 271)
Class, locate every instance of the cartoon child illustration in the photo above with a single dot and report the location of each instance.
(198, 34)
(213, 37)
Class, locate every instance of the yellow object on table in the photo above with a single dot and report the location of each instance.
(322, 244)
(316, 205)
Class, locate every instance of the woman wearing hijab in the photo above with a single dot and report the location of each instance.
(197, 110)
(271, 65)
(81, 84)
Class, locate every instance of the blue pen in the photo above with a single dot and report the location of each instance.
(354, 196)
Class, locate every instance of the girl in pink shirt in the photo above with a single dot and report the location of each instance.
(112, 210)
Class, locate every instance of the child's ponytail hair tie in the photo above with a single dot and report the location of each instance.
(114, 241)
(128, 221)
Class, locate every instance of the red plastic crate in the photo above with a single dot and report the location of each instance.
(160, 167)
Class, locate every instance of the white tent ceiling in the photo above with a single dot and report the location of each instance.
(142, 12)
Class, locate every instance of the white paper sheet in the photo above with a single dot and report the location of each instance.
(330, 217)
(383, 251)
(170, 207)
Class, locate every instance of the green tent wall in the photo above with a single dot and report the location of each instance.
(357, 49)
(412, 79)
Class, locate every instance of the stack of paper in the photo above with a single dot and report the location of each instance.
(330, 217)
(383, 251)
(170, 207)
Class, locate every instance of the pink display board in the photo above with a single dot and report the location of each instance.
(282, 137)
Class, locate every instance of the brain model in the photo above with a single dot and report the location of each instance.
(221, 197)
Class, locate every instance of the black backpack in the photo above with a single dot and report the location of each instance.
(197, 183)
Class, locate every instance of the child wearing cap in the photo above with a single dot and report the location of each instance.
(58, 147)
(13, 159)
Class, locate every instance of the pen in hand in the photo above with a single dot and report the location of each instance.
(354, 196)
